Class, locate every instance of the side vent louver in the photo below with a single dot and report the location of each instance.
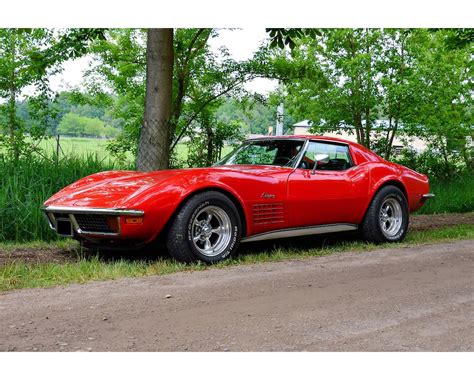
(268, 213)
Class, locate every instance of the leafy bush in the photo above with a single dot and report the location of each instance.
(432, 164)
(451, 181)
(206, 146)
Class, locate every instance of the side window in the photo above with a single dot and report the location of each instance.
(338, 156)
(256, 154)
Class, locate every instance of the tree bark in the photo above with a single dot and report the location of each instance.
(12, 125)
(397, 113)
(389, 139)
(154, 145)
(210, 145)
(11, 105)
(392, 137)
(359, 129)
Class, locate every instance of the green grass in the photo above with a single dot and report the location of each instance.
(24, 186)
(21, 275)
(455, 195)
(61, 243)
(83, 147)
(78, 146)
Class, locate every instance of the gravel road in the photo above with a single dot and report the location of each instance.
(402, 299)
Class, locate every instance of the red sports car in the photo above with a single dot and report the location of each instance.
(268, 188)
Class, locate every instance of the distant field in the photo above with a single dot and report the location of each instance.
(77, 146)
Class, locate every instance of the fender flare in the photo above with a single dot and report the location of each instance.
(211, 186)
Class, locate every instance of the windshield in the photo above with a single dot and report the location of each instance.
(265, 152)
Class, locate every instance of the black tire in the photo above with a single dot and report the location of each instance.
(182, 230)
(372, 227)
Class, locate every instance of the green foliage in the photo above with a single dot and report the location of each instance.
(452, 182)
(200, 78)
(120, 66)
(281, 37)
(207, 143)
(442, 100)
(71, 43)
(67, 106)
(460, 38)
(252, 117)
(433, 165)
(19, 70)
(334, 80)
(76, 125)
(414, 81)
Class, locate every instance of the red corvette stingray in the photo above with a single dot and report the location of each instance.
(272, 187)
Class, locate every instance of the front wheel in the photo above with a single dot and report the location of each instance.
(386, 219)
(206, 228)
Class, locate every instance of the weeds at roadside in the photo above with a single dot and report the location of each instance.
(19, 275)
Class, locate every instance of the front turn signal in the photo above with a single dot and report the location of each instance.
(133, 220)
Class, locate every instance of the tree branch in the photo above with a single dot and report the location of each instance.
(207, 102)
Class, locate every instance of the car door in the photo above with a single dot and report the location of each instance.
(332, 192)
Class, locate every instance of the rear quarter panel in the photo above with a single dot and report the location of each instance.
(416, 184)
(382, 172)
(413, 183)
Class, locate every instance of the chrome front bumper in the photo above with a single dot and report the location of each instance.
(70, 212)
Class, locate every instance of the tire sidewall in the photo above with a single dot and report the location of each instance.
(398, 195)
(235, 227)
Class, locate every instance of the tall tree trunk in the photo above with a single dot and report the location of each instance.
(359, 128)
(396, 116)
(368, 125)
(392, 138)
(210, 145)
(12, 125)
(11, 106)
(368, 128)
(154, 145)
(444, 152)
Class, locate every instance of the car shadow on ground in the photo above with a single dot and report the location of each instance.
(300, 243)
(157, 251)
(54, 254)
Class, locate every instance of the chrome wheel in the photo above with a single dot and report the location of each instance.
(211, 231)
(391, 217)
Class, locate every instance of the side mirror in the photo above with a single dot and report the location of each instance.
(320, 159)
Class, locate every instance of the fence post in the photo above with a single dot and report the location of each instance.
(57, 149)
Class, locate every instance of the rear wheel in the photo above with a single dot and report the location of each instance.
(206, 228)
(386, 219)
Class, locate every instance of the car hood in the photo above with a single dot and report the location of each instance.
(116, 189)
(107, 189)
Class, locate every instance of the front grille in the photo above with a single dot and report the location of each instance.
(93, 223)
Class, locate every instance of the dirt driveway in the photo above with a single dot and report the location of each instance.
(419, 298)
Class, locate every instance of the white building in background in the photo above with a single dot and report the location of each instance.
(347, 132)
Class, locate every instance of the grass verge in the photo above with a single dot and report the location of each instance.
(19, 275)
(60, 244)
(455, 195)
